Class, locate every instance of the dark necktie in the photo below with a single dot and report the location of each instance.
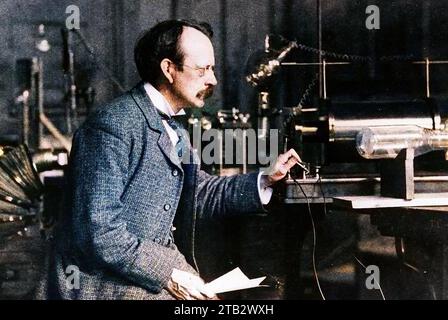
(182, 145)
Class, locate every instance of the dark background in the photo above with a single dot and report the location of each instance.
(269, 245)
(111, 27)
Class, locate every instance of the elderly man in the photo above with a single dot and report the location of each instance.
(129, 188)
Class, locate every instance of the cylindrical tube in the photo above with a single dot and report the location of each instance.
(346, 119)
(386, 142)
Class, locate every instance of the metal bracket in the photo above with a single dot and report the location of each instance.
(397, 176)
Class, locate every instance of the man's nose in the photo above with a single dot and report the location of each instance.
(211, 79)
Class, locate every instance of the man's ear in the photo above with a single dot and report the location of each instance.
(167, 68)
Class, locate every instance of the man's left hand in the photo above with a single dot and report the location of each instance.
(281, 167)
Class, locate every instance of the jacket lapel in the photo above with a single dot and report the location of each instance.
(155, 122)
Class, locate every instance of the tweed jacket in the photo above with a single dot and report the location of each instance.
(124, 190)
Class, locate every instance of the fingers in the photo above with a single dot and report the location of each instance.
(196, 294)
(293, 159)
(207, 292)
(291, 163)
(284, 168)
(283, 158)
(186, 286)
(296, 160)
(285, 162)
(292, 153)
(183, 293)
(287, 156)
(175, 293)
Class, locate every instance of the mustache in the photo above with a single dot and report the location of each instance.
(206, 93)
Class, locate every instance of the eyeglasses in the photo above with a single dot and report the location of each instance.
(201, 70)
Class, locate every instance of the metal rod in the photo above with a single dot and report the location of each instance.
(319, 45)
(324, 69)
(342, 63)
(366, 179)
(427, 77)
(430, 61)
(244, 151)
(70, 74)
(26, 117)
(55, 132)
(312, 63)
(32, 138)
(40, 101)
(309, 110)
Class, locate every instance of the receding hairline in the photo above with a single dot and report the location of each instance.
(194, 30)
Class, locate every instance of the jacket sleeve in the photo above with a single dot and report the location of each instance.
(100, 158)
(219, 196)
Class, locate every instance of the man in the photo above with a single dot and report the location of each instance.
(130, 193)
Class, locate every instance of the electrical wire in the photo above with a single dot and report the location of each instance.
(420, 273)
(319, 182)
(349, 57)
(354, 57)
(314, 240)
(374, 279)
(346, 57)
(307, 92)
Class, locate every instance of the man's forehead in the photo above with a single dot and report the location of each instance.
(196, 44)
(191, 33)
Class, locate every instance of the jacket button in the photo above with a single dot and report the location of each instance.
(167, 207)
(175, 173)
(173, 228)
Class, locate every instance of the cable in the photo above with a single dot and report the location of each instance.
(430, 286)
(319, 181)
(354, 57)
(417, 271)
(314, 240)
(379, 286)
(307, 91)
(343, 56)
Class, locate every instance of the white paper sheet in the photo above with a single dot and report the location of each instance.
(232, 281)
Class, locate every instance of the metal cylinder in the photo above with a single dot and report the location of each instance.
(386, 142)
(335, 125)
(347, 119)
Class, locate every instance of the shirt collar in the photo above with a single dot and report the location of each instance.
(159, 101)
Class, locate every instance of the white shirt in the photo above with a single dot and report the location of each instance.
(159, 101)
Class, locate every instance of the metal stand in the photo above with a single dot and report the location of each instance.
(71, 111)
(397, 176)
(30, 74)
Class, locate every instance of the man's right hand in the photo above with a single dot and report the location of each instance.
(187, 286)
